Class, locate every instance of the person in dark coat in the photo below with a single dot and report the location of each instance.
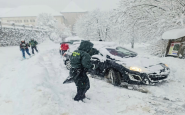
(33, 44)
(24, 47)
(80, 63)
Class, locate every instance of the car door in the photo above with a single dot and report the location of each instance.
(95, 59)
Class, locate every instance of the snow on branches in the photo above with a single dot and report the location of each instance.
(158, 48)
(58, 31)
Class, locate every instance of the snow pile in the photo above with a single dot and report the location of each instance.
(174, 34)
(35, 87)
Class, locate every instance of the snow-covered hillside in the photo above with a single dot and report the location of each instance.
(35, 87)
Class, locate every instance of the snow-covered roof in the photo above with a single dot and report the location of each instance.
(4, 10)
(72, 7)
(174, 34)
(27, 11)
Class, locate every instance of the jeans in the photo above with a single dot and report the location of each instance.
(34, 47)
(23, 52)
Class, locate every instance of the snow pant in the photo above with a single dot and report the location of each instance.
(34, 47)
(82, 82)
(63, 51)
(23, 52)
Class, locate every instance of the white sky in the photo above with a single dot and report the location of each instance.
(59, 5)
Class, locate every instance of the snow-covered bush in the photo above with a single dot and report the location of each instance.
(12, 36)
(57, 31)
(158, 48)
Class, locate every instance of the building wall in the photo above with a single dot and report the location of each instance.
(28, 20)
(70, 17)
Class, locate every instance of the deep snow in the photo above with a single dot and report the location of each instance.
(34, 87)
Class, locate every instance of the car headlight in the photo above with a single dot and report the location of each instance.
(135, 69)
(166, 65)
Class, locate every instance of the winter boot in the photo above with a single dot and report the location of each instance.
(78, 96)
(83, 96)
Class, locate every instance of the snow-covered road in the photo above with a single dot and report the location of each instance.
(35, 87)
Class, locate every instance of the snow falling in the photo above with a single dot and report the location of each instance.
(35, 87)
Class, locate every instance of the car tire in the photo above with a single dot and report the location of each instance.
(113, 77)
(68, 64)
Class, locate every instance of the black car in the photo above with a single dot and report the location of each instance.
(118, 64)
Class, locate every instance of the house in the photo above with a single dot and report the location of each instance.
(27, 14)
(176, 42)
(71, 13)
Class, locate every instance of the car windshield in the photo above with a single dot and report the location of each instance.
(122, 52)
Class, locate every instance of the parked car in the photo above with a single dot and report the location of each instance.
(118, 64)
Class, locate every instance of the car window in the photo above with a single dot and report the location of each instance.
(126, 51)
(121, 52)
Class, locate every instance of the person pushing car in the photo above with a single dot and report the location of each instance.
(80, 63)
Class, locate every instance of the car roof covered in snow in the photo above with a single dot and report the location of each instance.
(97, 44)
(73, 38)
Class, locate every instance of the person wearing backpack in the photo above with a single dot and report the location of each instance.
(33, 44)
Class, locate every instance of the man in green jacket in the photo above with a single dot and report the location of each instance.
(80, 63)
(33, 44)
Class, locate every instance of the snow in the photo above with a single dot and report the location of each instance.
(73, 7)
(73, 38)
(32, 10)
(174, 34)
(35, 87)
(4, 10)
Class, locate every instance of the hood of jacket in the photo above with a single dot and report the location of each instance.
(85, 46)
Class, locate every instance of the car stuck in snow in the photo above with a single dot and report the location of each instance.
(117, 64)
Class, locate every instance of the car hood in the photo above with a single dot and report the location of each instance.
(148, 65)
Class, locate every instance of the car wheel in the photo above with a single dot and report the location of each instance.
(68, 65)
(113, 77)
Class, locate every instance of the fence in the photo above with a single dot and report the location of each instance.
(11, 34)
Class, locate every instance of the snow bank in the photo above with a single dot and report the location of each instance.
(34, 87)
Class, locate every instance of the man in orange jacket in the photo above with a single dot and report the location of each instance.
(64, 47)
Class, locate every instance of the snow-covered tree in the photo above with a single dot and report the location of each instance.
(57, 31)
(146, 20)
(95, 26)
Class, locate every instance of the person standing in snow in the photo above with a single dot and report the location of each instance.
(80, 63)
(24, 47)
(33, 44)
(64, 47)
